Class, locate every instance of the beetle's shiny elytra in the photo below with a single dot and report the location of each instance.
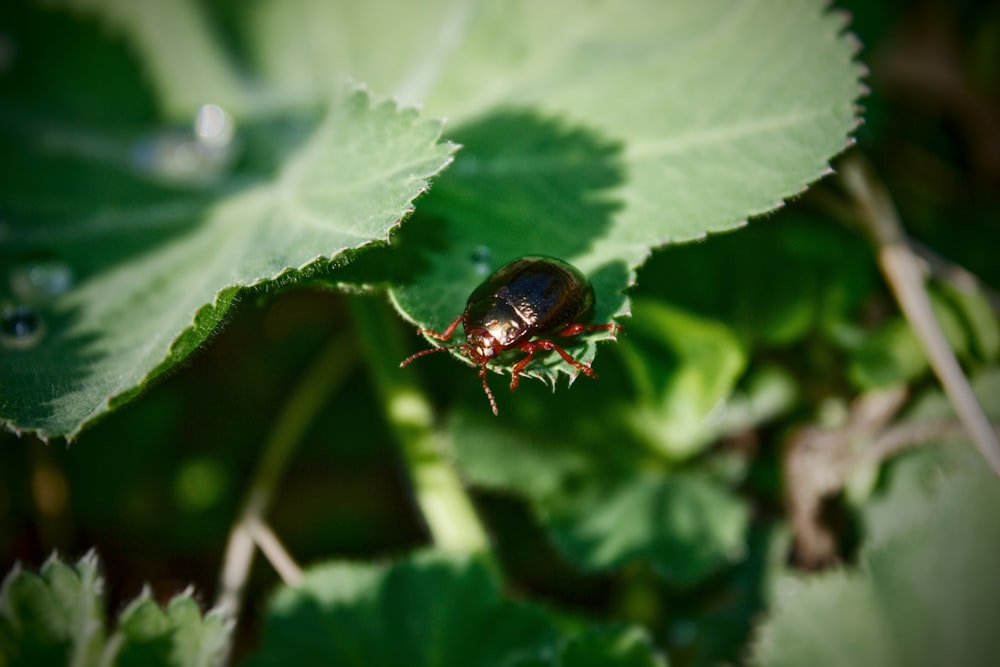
(532, 296)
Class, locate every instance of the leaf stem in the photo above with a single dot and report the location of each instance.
(314, 388)
(275, 552)
(444, 503)
(902, 272)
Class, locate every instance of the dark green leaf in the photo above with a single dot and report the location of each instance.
(429, 610)
(685, 526)
(619, 647)
(602, 509)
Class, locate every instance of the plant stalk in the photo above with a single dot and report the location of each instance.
(312, 392)
(902, 272)
(444, 503)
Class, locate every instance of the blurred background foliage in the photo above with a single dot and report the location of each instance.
(793, 305)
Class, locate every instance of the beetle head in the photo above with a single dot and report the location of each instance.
(481, 346)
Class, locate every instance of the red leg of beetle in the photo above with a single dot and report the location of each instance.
(440, 336)
(486, 388)
(515, 371)
(444, 335)
(574, 329)
(531, 346)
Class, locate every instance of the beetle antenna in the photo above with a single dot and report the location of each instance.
(489, 394)
(424, 353)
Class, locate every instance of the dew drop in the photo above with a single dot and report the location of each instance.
(198, 154)
(39, 280)
(481, 259)
(20, 327)
(213, 126)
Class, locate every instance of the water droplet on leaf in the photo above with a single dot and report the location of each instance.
(481, 259)
(20, 327)
(39, 280)
(213, 126)
(196, 155)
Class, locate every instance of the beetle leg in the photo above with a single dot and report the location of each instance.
(574, 329)
(444, 335)
(486, 388)
(515, 371)
(531, 346)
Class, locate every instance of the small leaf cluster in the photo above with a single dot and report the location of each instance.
(57, 617)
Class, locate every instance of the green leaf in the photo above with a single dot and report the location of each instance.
(685, 526)
(179, 636)
(54, 617)
(683, 367)
(929, 596)
(595, 132)
(978, 318)
(893, 355)
(599, 505)
(622, 647)
(628, 647)
(914, 481)
(775, 283)
(429, 609)
(147, 282)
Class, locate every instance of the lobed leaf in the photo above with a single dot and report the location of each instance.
(56, 617)
(53, 617)
(591, 132)
(602, 507)
(429, 609)
(595, 132)
(148, 282)
(925, 596)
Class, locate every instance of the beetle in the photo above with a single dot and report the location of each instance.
(530, 297)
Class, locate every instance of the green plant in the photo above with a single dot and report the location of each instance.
(173, 167)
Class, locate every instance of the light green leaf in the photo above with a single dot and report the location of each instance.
(54, 617)
(929, 596)
(684, 368)
(592, 131)
(149, 282)
(178, 636)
